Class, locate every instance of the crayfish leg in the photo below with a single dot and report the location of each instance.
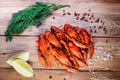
(42, 59)
(50, 59)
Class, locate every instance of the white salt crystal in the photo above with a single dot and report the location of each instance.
(90, 62)
(93, 78)
(91, 70)
(107, 68)
(99, 47)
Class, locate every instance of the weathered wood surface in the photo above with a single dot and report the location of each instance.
(58, 75)
(28, 44)
(106, 10)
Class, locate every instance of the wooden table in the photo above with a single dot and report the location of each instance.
(106, 39)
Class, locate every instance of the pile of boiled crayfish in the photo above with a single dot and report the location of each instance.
(70, 47)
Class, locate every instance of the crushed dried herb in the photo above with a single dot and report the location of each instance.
(32, 15)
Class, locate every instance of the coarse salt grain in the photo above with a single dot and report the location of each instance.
(93, 77)
(99, 48)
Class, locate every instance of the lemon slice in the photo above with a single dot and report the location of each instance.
(21, 55)
(22, 67)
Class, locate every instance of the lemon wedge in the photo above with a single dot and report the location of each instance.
(22, 67)
(21, 55)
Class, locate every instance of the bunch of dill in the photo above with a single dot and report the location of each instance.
(32, 15)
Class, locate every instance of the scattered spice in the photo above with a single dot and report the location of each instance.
(88, 17)
(89, 10)
(82, 18)
(53, 17)
(63, 10)
(94, 26)
(88, 14)
(50, 77)
(92, 16)
(100, 27)
(68, 13)
(95, 31)
(64, 14)
(78, 14)
(91, 30)
(69, 6)
(77, 18)
(84, 14)
(75, 14)
(91, 21)
(97, 20)
(103, 23)
(85, 20)
(105, 31)
(4, 53)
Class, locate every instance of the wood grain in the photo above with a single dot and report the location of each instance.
(26, 2)
(28, 44)
(108, 13)
(106, 39)
(59, 75)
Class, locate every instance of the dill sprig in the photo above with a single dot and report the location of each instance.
(31, 15)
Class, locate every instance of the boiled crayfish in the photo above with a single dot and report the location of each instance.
(70, 47)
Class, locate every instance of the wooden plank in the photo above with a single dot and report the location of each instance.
(103, 46)
(108, 12)
(25, 2)
(106, 8)
(107, 43)
(59, 75)
(112, 27)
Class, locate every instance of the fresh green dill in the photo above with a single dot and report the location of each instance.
(31, 15)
